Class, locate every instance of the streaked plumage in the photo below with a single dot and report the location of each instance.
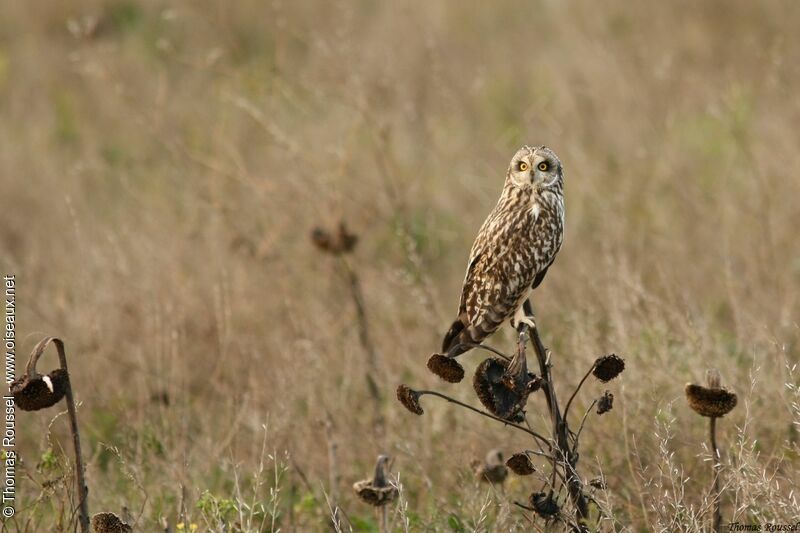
(514, 248)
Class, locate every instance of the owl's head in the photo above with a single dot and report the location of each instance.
(535, 167)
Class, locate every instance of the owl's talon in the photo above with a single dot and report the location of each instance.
(521, 317)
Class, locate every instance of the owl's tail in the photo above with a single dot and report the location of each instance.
(458, 333)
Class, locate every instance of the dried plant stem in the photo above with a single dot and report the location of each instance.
(80, 480)
(333, 476)
(384, 526)
(560, 432)
(575, 392)
(367, 344)
(489, 415)
(712, 430)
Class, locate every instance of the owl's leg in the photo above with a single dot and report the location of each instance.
(524, 315)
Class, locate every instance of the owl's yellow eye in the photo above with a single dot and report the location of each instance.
(543, 166)
(523, 166)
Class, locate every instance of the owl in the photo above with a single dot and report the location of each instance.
(513, 250)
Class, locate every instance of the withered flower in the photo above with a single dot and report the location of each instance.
(608, 367)
(336, 242)
(377, 491)
(491, 469)
(605, 403)
(36, 391)
(490, 384)
(544, 504)
(521, 464)
(711, 402)
(598, 483)
(446, 368)
(109, 523)
(410, 399)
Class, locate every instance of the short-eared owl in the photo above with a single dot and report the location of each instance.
(514, 248)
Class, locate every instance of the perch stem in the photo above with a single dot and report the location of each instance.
(561, 433)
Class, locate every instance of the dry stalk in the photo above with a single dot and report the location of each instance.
(712, 430)
(561, 432)
(80, 480)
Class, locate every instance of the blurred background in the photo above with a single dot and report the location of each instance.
(164, 163)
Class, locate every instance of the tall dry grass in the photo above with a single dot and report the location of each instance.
(163, 163)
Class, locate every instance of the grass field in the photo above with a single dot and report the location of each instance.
(163, 165)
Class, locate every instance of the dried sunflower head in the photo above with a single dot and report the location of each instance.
(491, 469)
(490, 385)
(544, 504)
(521, 464)
(446, 368)
(338, 241)
(608, 367)
(36, 391)
(710, 402)
(605, 403)
(377, 491)
(109, 523)
(410, 399)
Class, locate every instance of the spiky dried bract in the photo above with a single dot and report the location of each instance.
(710, 402)
(608, 367)
(109, 523)
(521, 464)
(544, 504)
(374, 495)
(605, 403)
(339, 241)
(493, 392)
(410, 399)
(32, 393)
(446, 368)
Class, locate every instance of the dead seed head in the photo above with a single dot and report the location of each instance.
(338, 241)
(109, 523)
(377, 496)
(598, 483)
(544, 504)
(710, 402)
(520, 464)
(494, 394)
(605, 403)
(494, 474)
(377, 491)
(32, 393)
(446, 368)
(410, 399)
(608, 367)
